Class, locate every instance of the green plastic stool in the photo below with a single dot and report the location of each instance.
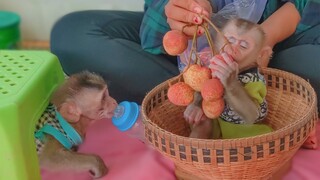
(9, 30)
(27, 80)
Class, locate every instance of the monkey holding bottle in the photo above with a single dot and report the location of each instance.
(81, 100)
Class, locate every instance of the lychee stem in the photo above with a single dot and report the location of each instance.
(209, 40)
(215, 28)
(194, 49)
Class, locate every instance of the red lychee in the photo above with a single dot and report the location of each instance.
(196, 75)
(175, 42)
(213, 109)
(212, 89)
(180, 94)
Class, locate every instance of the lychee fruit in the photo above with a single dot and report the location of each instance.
(175, 42)
(212, 89)
(196, 75)
(180, 94)
(213, 109)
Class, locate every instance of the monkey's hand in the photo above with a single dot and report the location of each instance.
(55, 157)
(224, 68)
(193, 113)
(235, 94)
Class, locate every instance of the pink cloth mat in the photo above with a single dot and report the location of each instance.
(128, 158)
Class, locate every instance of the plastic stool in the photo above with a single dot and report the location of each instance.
(9, 30)
(27, 80)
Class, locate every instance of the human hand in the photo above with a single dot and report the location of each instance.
(224, 68)
(181, 13)
(193, 114)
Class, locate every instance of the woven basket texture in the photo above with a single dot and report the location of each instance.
(292, 113)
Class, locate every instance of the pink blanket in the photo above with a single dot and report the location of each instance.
(306, 163)
(128, 158)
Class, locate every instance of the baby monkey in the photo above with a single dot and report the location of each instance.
(81, 100)
(244, 86)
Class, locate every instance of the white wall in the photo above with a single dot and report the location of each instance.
(38, 16)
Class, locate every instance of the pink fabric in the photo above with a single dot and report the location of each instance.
(128, 158)
(306, 163)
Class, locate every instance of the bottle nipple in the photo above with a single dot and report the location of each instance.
(125, 115)
(118, 112)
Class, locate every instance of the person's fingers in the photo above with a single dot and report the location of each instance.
(190, 5)
(187, 29)
(183, 15)
(200, 7)
(206, 6)
(190, 30)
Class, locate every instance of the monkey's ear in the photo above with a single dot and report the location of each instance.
(265, 56)
(70, 111)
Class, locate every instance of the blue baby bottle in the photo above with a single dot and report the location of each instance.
(128, 119)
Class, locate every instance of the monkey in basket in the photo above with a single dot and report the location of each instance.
(244, 87)
(80, 101)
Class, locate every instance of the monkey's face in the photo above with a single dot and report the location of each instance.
(96, 104)
(244, 46)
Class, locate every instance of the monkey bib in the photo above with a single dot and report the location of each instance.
(51, 122)
(230, 124)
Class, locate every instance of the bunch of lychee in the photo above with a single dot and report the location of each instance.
(196, 78)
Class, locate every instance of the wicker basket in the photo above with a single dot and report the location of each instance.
(292, 113)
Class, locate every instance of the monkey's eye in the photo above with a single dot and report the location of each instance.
(231, 39)
(244, 44)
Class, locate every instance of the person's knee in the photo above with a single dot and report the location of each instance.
(301, 60)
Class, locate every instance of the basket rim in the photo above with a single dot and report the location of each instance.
(288, 129)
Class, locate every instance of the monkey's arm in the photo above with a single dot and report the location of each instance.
(237, 97)
(193, 112)
(55, 157)
(197, 99)
(201, 126)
